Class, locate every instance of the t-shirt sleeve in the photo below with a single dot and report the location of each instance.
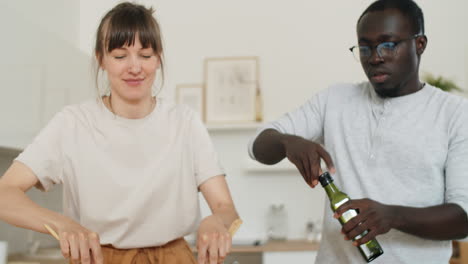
(306, 121)
(456, 168)
(44, 156)
(206, 161)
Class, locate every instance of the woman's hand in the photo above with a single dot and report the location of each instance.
(79, 244)
(214, 241)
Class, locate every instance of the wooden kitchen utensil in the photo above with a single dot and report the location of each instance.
(51, 231)
(234, 227)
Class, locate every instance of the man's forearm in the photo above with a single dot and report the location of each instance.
(442, 222)
(268, 148)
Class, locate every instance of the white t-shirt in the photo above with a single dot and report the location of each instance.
(410, 150)
(133, 181)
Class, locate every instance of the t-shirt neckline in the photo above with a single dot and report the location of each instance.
(129, 121)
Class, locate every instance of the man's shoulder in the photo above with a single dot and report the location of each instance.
(449, 101)
(347, 91)
(350, 88)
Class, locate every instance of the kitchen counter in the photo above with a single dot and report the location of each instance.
(43, 256)
(21, 259)
(270, 246)
(275, 246)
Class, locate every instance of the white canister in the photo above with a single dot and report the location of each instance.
(3, 252)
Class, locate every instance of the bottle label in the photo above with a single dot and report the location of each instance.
(366, 250)
(338, 204)
(369, 250)
(346, 216)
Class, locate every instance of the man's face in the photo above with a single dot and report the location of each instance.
(389, 74)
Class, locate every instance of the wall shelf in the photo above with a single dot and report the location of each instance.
(212, 127)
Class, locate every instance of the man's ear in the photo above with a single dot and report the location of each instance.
(421, 43)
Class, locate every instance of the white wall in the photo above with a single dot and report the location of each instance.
(302, 46)
(254, 192)
(447, 50)
(41, 69)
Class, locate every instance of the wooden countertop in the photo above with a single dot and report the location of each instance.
(275, 246)
(270, 246)
(21, 259)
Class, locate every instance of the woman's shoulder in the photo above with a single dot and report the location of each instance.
(82, 111)
(90, 105)
(179, 111)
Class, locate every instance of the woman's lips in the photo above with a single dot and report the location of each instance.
(134, 82)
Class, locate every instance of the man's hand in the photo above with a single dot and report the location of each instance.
(306, 155)
(372, 216)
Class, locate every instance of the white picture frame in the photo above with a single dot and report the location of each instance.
(231, 85)
(191, 95)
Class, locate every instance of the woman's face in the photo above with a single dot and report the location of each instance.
(131, 71)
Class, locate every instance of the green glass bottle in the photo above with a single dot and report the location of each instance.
(370, 250)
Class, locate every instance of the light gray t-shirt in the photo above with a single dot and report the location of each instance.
(133, 181)
(410, 150)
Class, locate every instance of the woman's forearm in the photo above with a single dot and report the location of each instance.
(227, 213)
(17, 209)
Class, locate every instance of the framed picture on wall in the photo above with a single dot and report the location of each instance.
(231, 87)
(192, 96)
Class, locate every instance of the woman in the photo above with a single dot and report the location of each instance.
(131, 164)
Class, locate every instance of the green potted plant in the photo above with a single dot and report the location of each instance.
(441, 82)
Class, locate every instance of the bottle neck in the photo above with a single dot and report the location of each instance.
(331, 189)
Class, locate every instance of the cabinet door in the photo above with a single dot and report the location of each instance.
(303, 257)
(20, 103)
(244, 258)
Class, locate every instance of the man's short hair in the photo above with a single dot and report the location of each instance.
(407, 7)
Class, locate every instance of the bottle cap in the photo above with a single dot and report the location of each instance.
(325, 179)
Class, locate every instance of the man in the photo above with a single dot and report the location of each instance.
(396, 145)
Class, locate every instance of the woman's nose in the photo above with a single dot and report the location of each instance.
(135, 66)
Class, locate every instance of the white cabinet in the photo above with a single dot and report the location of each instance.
(41, 70)
(19, 101)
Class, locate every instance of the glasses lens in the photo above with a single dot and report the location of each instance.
(386, 49)
(356, 53)
(361, 52)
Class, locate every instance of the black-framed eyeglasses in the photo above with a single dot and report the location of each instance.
(385, 49)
